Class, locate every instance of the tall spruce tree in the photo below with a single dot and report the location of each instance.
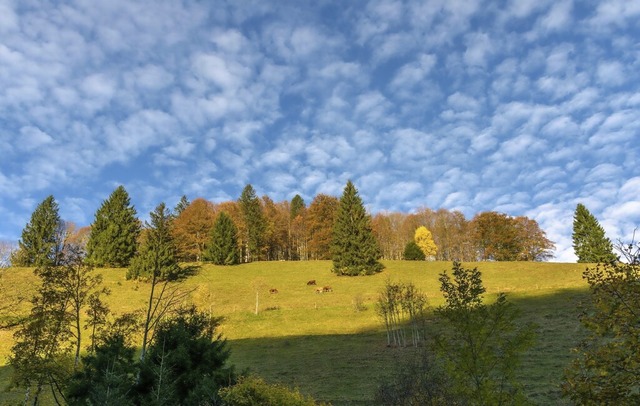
(42, 238)
(223, 246)
(354, 248)
(255, 221)
(589, 240)
(182, 204)
(157, 263)
(114, 232)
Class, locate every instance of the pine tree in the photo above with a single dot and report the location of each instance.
(42, 238)
(114, 232)
(297, 206)
(589, 241)
(354, 248)
(255, 222)
(182, 204)
(223, 245)
(156, 262)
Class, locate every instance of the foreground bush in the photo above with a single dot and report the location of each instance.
(253, 391)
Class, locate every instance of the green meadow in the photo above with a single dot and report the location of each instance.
(332, 345)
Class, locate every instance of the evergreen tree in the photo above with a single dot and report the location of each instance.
(354, 248)
(297, 206)
(589, 241)
(223, 245)
(186, 362)
(256, 224)
(42, 238)
(413, 253)
(114, 232)
(182, 204)
(157, 263)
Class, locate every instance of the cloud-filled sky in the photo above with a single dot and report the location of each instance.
(525, 107)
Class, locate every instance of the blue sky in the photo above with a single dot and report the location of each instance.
(526, 107)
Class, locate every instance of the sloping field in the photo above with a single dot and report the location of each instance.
(332, 345)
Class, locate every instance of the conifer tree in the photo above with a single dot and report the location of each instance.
(255, 223)
(589, 241)
(223, 245)
(114, 232)
(42, 238)
(157, 263)
(182, 204)
(297, 206)
(354, 248)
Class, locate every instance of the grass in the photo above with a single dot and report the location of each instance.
(332, 345)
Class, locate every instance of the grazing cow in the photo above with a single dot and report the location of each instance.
(319, 290)
(312, 282)
(327, 289)
(273, 290)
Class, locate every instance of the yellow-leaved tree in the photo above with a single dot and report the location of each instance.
(424, 240)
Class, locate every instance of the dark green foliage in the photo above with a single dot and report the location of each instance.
(108, 373)
(297, 206)
(157, 255)
(42, 238)
(480, 345)
(223, 246)
(253, 391)
(354, 248)
(412, 252)
(419, 381)
(182, 204)
(255, 222)
(186, 363)
(607, 368)
(114, 232)
(589, 240)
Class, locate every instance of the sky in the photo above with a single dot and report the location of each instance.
(525, 107)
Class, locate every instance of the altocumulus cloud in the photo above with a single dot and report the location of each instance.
(527, 107)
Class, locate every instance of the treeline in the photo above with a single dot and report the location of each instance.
(267, 230)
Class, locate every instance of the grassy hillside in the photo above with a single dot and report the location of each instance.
(332, 345)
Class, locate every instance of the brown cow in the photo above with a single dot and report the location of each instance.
(312, 282)
(327, 289)
(273, 290)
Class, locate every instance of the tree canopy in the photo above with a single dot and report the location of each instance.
(424, 240)
(354, 249)
(253, 239)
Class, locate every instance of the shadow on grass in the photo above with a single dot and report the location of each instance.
(347, 369)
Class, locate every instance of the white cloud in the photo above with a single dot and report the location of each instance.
(33, 138)
(611, 73)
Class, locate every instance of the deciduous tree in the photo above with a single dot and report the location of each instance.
(607, 368)
(424, 240)
(480, 345)
(191, 229)
(320, 220)
(589, 240)
(354, 249)
(114, 232)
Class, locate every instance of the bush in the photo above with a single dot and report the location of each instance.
(413, 253)
(254, 391)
